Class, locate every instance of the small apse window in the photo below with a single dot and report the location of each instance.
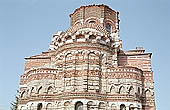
(108, 27)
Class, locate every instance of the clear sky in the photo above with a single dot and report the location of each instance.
(27, 26)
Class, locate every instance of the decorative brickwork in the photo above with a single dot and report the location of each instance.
(86, 68)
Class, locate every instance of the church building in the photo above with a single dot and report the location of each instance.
(86, 68)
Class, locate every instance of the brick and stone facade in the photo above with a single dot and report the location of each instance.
(86, 68)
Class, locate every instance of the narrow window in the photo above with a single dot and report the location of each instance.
(39, 106)
(131, 91)
(122, 107)
(108, 27)
(23, 94)
(49, 90)
(31, 107)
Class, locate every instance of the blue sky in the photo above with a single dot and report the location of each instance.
(27, 26)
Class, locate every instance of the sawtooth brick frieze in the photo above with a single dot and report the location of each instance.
(86, 68)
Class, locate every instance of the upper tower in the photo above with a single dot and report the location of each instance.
(98, 14)
(97, 24)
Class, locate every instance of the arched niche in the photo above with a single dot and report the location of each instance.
(93, 58)
(68, 61)
(68, 58)
(131, 90)
(112, 90)
(49, 90)
(79, 105)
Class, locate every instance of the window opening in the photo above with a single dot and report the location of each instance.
(108, 27)
(79, 106)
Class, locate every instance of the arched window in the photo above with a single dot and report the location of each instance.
(49, 90)
(23, 94)
(122, 90)
(79, 106)
(112, 90)
(40, 90)
(49, 106)
(39, 106)
(122, 107)
(108, 27)
(131, 90)
(32, 90)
